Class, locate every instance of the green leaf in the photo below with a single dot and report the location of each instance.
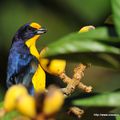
(95, 46)
(117, 117)
(106, 99)
(10, 115)
(116, 14)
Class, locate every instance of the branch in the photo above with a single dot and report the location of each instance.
(74, 82)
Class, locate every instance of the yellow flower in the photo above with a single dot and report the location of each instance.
(12, 95)
(53, 101)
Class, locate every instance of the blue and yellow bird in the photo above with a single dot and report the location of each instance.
(23, 61)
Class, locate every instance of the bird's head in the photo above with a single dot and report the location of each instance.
(29, 30)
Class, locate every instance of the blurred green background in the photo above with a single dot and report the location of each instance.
(60, 17)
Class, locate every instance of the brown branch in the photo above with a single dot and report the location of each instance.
(85, 87)
(76, 111)
(65, 78)
(74, 82)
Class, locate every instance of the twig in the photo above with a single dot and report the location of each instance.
(76, 111)
(74, 82)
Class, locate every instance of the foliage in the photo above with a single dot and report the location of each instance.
(95, 47)
(106, 99)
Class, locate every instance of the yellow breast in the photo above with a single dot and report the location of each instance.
(39, 78)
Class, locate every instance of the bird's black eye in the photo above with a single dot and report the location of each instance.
(29, 28)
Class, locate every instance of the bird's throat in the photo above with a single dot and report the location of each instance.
(31, 44)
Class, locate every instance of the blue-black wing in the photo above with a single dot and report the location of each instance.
(21, 68)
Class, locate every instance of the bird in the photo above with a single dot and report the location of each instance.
(23, 59)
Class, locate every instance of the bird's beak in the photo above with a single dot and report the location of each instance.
(41, 31)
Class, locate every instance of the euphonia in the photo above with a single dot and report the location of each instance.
(23, 64)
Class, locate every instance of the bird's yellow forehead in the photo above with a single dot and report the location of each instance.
(35, 25)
